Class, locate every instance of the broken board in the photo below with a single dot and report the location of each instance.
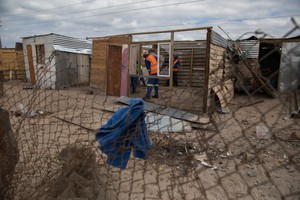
(172, 112)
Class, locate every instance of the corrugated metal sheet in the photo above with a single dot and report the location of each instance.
(217, 39)
(74, 70)
(70, 44)
(251, 46)
(289, 78)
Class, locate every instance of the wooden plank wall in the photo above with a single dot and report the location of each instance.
(192, 69)
(12, 64)
(223, 88)
(100, 58)
(216, 65)
(98, 70)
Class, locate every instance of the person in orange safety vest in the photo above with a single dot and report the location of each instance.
(151, 64)
(176, 65)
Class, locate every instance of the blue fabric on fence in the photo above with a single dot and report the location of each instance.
(125, 130)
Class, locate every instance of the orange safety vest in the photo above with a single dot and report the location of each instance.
(174, 63)
(153, 61)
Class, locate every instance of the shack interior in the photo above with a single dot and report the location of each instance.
(201, 74)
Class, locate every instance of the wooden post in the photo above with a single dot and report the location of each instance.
(207, 71)
(191, 70)
(171, 70)
(267, 89)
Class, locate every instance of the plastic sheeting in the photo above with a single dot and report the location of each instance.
(165, 124)
(289, 78)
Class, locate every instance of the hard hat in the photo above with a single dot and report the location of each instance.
(145, 54)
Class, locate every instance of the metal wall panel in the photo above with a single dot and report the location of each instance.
(251, 46)
(289, 79)
(217, 39)
(71, 70)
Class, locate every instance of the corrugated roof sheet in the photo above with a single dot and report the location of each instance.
(217, 39)
(251, 46)
(70, 44)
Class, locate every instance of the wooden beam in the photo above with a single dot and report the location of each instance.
(171, 69)
(191, 42)
(259, 80)
(207, 70)
(150, 42)
(191, 69)
(67, 121)
(157, 32)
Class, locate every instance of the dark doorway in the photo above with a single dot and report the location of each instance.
(269, 61)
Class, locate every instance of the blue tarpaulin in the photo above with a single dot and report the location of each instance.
(124, 131)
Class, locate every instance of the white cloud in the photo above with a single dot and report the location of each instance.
(82, 18)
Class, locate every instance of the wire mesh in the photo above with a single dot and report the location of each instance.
(251, 152)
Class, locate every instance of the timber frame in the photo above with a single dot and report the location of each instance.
(206, 55)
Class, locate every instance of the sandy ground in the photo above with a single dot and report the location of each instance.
(223, 160)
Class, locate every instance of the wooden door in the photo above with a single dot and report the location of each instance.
(30, 62)
(114, 62)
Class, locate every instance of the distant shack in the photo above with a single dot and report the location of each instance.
(12, 64)
(54, 61)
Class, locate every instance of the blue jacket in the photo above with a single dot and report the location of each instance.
(125, 130)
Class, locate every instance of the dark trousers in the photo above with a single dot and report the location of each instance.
(175, 79)
(152, 82)
(134, 81)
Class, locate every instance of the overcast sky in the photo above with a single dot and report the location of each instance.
(91, 18)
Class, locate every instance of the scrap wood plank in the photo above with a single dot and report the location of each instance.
(172, 112)
(267, 89)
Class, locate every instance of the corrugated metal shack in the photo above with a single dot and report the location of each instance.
(265, 56)
(202, 73)
(56, 61)
(12, 63)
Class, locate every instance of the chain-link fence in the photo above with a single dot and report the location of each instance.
(49, 151)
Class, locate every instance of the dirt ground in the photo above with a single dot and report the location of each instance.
(226, 159)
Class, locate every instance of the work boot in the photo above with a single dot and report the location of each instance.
(146, 98)
(155, 96)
